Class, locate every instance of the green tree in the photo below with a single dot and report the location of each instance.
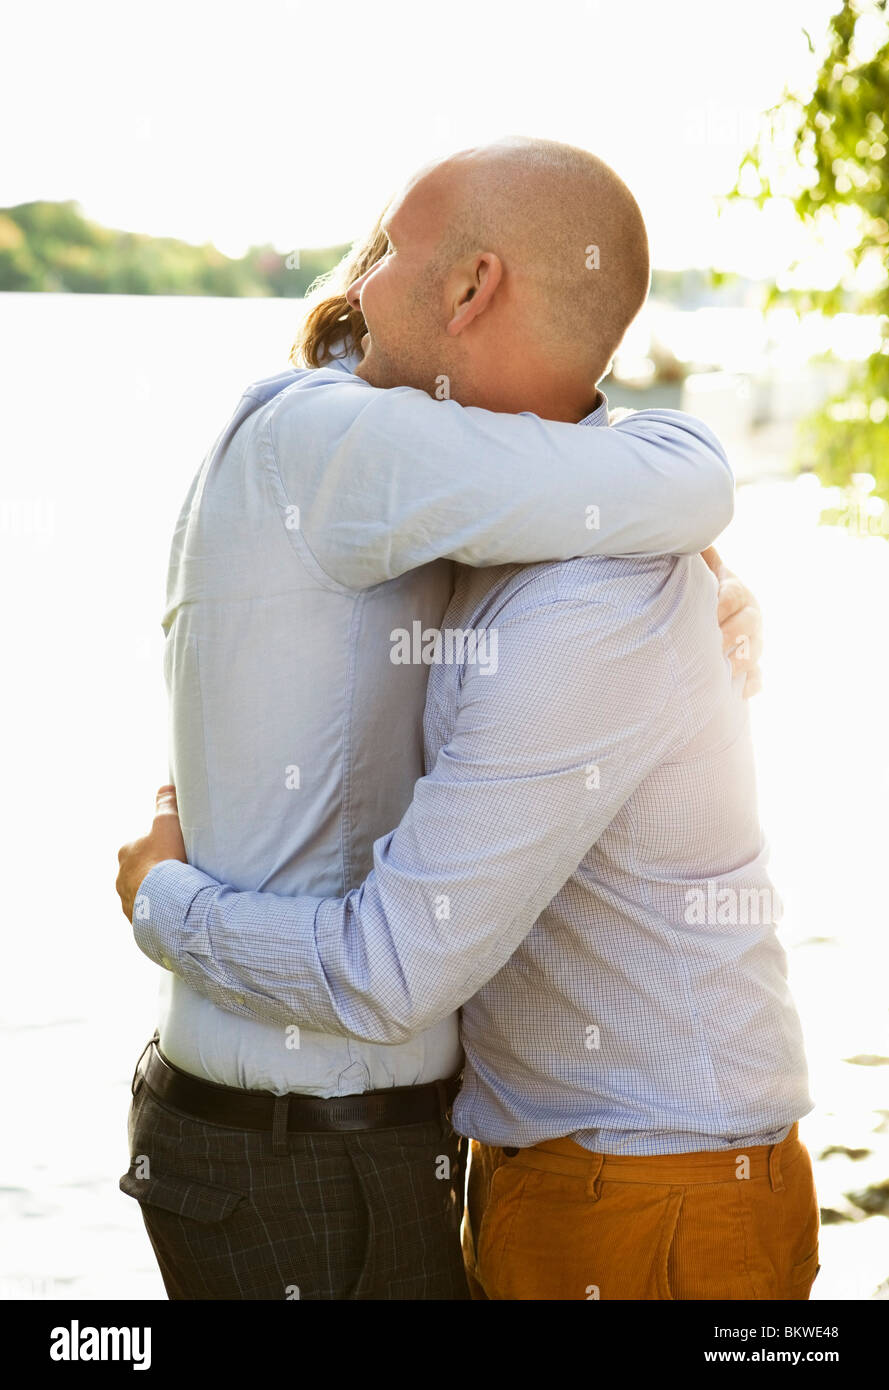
(837, 170)
(52, 246)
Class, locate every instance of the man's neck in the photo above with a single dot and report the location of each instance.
(550, 400)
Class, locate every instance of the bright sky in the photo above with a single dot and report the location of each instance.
(291, 122)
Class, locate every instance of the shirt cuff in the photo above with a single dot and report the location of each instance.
(162, 904)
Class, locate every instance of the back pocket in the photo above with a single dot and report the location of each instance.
(802, 1277)
(198, 1201)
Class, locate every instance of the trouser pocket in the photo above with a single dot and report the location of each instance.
(196, 1201)
(802, 1277)
(196, 1235)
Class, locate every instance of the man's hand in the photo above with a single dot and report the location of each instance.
(164, 841)
(740, 621)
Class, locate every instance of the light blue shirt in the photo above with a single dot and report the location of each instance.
(320, 525)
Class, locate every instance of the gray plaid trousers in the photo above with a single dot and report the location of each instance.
(364, 1215)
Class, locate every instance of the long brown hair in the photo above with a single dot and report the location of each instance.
(330, 321)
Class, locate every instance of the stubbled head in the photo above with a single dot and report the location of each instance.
(511, 271)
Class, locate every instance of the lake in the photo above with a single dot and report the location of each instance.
(110, 403)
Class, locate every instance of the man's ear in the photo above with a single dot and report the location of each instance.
(474, 284)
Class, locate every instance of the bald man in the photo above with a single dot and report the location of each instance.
(525, 246)
(588, 766)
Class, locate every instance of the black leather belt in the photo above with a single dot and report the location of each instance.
(235, 1109)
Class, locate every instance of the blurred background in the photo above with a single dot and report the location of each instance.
(171, 183)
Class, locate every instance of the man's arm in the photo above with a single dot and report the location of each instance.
(388, 480)
(544, 753)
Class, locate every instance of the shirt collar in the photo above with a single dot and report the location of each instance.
(599, 414)
(347, 362)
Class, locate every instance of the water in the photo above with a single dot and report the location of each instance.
(109, 405)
